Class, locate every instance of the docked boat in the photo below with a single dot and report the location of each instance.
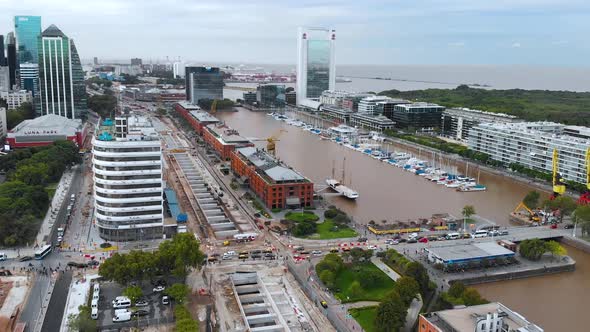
(479, 187)
(342, 189)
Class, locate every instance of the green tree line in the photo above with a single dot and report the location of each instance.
(532, 105)
(174, 257)
(23, 197)
(23, 112)
(103, 105)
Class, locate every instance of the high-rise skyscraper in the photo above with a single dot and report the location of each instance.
(316, 67)
(11, 57)
(60, 74)
(2, 56)
(27, 29)
(203, 83)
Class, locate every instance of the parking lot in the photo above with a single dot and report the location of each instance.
(158, 313)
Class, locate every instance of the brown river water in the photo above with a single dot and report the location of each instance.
(556, 302)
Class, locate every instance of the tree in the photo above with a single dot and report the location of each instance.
(456, 290)
(104, 105)
(356, 254)
(419, 273)
(82, 322)
(371, 279)
(180, 254)
(355, 289)
(582, 217)
(555, 248)
(532, 249)
(178, 292)
(472, 297)
(565, 204)
(328, 278)
(133, 293)
(407, 288)
(468, 211)
(531, 200)
(391, 313)
(184, 321)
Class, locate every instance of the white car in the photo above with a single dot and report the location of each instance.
(316, 252)
(372, 247)
(159, 289)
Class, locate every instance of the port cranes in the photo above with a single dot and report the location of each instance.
(558, 182)
(271, 141)
(585, 197)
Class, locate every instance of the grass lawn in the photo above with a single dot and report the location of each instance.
(375, 293)
(302, 216)
(365, 316)
(324, 232)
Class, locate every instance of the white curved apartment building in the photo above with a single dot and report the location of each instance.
(127, 165)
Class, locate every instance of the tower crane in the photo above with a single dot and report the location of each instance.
(585, 197)
(271, 141)
(558, 182)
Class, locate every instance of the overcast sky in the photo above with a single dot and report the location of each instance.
(544, 32)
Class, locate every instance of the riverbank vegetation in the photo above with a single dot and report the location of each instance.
(532, 105)
(24, 197)
(534, 249)
(458, 294)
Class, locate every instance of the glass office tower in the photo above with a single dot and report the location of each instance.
(316, 68)
(27, 29)
(60, 74)
(203, 83)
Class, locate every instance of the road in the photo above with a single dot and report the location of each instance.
(55, 310)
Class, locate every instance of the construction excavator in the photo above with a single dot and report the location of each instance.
(271, 141)
(585, 197)
(558, 181)
(533, 216)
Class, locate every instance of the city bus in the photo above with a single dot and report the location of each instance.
(42, 252)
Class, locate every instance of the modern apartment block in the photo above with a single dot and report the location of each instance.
(491, 317)
(127, 164)
(62, 89)
(16, 98)
(531, 144)
(369, 106)
(277, 185)
(417, 115)
(456, 122)
(316, 66)
(203, 83)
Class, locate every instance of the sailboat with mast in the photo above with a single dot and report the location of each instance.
(338, 186)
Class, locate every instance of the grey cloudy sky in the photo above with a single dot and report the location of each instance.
(368, 32)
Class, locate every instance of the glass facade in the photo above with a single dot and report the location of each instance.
(204, 83)
(61, 77)
(318, 67)
(271, 95)
(28, 29)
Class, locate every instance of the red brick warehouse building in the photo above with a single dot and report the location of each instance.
(192, 113)
(224, 140)
(277, 185)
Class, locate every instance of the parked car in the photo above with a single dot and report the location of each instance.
(25, 258)
(568, 226)
(504, 232)
(141, 303)
(139, 313)
(412, 240)
(316, 252)
(165, 299)
(553, 226)
(402, 240)
(494, 232)
(324, 304)
(372, 247)
(159, 289)
(93, 262)
(362, 239)
(423, 240)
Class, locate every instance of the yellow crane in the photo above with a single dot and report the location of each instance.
(213, 109)
(585, 197)
(558, 182)
(271, 141)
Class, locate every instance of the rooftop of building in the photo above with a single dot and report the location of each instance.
(374, 99)
(310, 104)
(420, 105)
(270, 167)
(480, 112)
(374, 118)
(469, 251)
(139, 128)
(50, 122)
(543, 130)
(53, 31)
(332, 108)
(187, 105)
(203, 116)
(226, 134)
(464, 319)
